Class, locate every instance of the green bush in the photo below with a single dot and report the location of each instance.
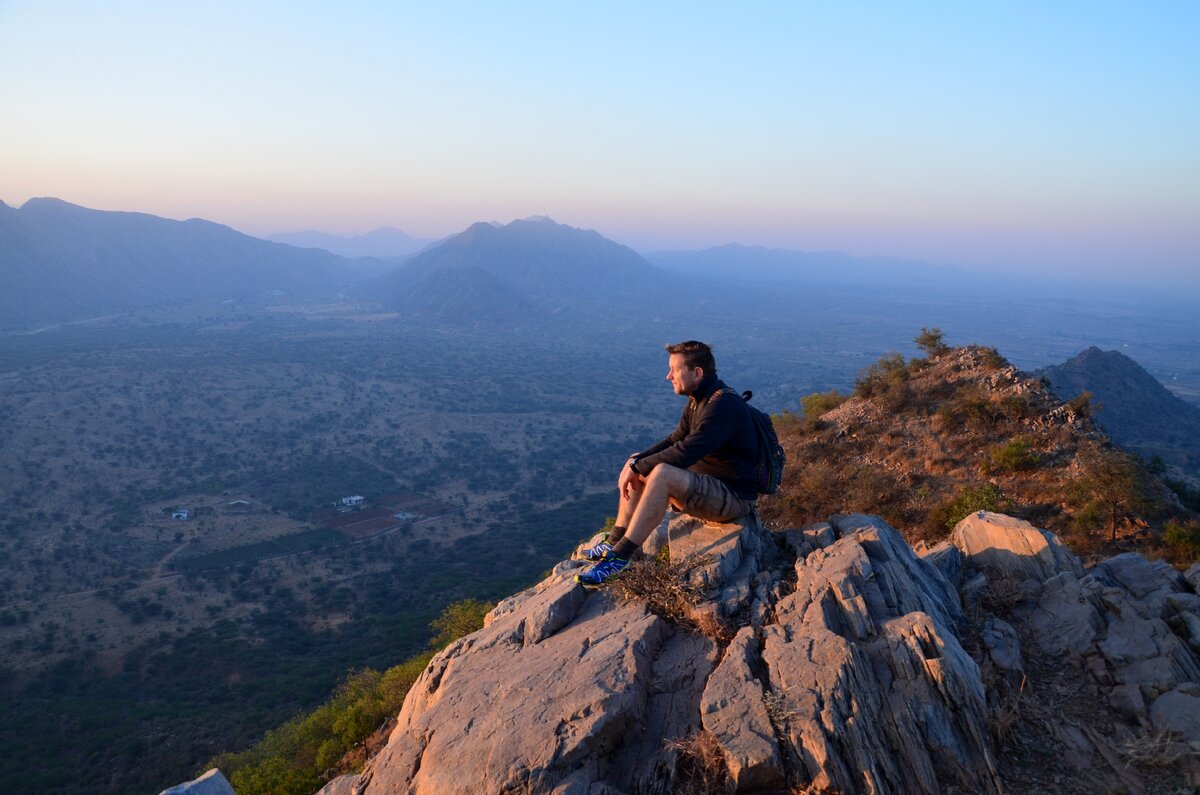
(459, 619)
(1013, 456)
(932, 342)
(818, 403)
(993, 360)
(1183, 538)
(886, 382)
(971, 499)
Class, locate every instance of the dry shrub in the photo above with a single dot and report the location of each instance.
(702, 767)
(1002, 593)
(666, 589)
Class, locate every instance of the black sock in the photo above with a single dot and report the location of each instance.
(615, 535)
(624, 549)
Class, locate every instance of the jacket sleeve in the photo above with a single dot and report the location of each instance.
(680, 432)
(716, 423)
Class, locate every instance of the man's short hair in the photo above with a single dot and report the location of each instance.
(695, 354)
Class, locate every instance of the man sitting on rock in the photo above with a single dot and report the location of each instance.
(706, 467)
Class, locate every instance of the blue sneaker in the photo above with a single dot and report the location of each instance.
(602, 572)
(598, 552)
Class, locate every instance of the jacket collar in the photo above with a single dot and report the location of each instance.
(709, 384)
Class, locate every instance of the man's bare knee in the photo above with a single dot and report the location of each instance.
(675, 479)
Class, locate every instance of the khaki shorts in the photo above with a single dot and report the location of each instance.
(711, 500)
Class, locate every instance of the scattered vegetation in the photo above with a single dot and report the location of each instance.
(297, 757)
(915, 437)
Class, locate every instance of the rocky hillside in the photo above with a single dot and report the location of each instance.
(922, 443)
(1136, 410)
(827, 658)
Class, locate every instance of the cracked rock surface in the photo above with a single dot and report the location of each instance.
(856, 666)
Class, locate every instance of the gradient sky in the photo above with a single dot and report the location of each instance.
(1032, 137)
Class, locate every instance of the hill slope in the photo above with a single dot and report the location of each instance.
(59, 261)
(1136, 410)
(923, 443)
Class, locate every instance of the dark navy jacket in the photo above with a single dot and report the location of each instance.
(715, 436)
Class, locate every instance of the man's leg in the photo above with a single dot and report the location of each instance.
(646, 511)
(664, 483)
(625, 510)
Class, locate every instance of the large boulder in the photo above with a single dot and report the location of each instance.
(877, 693)
(998, 542)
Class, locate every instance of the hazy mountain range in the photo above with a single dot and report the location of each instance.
(59, 261)
(385, 242)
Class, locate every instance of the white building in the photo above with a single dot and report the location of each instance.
(350, 502)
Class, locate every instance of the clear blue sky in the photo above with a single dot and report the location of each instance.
(1021, 137)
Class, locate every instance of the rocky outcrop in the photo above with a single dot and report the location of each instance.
(211, 783)
(855, 665)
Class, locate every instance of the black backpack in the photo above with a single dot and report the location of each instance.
(768, 472)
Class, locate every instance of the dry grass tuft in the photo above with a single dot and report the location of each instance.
(1002, 593)
(665, 588)
(812, 789)
(1005, 716)
(1155, 750)
(778, 710)
(702, 767)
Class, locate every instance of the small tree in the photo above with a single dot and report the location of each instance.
(932, 341)
(1112, 489)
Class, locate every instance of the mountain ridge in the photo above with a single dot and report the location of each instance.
(385, 242)
(61, 261)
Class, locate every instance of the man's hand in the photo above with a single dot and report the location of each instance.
(629, 481)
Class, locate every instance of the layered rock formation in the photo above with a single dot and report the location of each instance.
(835, 658)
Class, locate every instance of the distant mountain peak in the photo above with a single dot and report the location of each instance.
(1137, 409)
(540, 219)
(48, 202)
